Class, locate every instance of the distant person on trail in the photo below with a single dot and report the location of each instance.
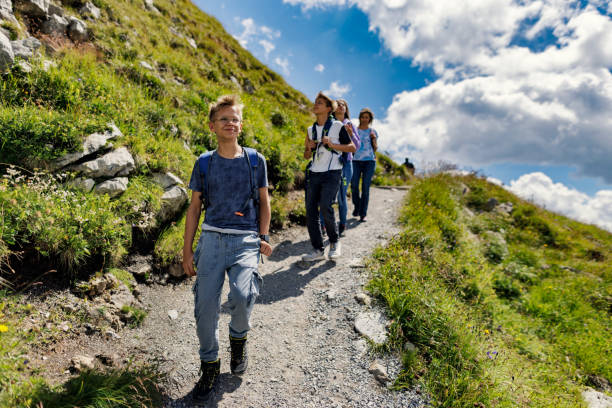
(409, 166)
(342, 114)
(231, 182)
(364, 164)
(325, 142)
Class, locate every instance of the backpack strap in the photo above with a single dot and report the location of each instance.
(204, 163)
(253, 162)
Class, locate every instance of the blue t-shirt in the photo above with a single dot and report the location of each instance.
(365, 151)
(229, 188)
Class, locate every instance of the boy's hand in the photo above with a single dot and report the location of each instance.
(311, 144)
(188, 262)
(349, 128)
(265, 248)
(326, 140)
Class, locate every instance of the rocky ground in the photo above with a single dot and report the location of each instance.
(304, 349)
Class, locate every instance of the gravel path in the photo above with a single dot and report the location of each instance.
(303, 348)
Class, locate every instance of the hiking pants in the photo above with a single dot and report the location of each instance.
(217, 254)
(363, 169)
(347, 175)
(320, 192)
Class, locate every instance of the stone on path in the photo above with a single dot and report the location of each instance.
(596, 399)
(373, 326)
(379, 372)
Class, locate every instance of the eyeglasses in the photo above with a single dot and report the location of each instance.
(225, 121)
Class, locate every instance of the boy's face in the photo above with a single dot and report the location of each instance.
(320, 106)
(227, 123)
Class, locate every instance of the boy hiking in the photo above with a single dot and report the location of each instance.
(232, 184)
(326, 139)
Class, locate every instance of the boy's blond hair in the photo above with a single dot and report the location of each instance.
(223, 102)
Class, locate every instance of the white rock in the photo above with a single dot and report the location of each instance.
(118, 162)
(363, 299)
(55, 25)
(150, 6)
(26, 48)
(122, 297)
(146, 65)
(39, 8)
(596, 399)
(379, 372)
(166, 180)
(83, 184)
(176, 270)
(90, 10)
(6, 10)
(48, 64)
(24, 67)
(193, 44)
(77, 30)
(112, 187)
(92, 144)
(372, 325)
(173, 314)
(172, 201)
(6, 52)
(331, 295)
(80, 363)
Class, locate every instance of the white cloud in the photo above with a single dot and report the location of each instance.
(539, 188)
(319, 68)
(337, 90)
(262, 35)
(495, 181)
(267, 46)
(283, 63)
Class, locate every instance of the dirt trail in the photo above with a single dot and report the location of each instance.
(303, 349)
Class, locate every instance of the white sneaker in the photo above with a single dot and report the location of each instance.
(315, 255)
(334, 250)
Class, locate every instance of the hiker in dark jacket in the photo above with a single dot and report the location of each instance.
(234, 187)
(326, 140)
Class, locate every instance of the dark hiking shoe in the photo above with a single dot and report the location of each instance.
(341, 228)
(355, 213)
(240, 360)
(363, 219)
(203, 389)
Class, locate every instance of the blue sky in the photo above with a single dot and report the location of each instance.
(521, 90)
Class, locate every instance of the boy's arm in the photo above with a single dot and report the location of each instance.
(345, 145)
(264, 219)
(308, 146)
(192, 220)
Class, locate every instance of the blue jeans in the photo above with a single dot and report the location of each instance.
(365, 169)
(347, 175)
(320, 192)
(217, 254)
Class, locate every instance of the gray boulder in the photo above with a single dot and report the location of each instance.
(77, 30)
(6, 10)
(37, 8)
(92, 144)
(112, 187)
(83, 184)
(26, 48)
(90, 10)
(150, 6)
(146, 65)
(172, 201)
(116, 163)
(54, 9)
(55, 25)
(166, 180)
(6, 52)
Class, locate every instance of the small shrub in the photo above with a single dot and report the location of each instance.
(506, 288)
(133, 316)
(278, 119)
(496, 249)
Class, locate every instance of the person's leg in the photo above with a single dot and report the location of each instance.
(368, 173)
(207, 293)
(329, 189)
(347, 174)
(312, 210)
(357, 168)
(244, 281)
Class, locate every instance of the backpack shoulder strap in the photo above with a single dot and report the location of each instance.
(204, 164)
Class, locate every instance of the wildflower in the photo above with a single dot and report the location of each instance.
(492, 354)
(486, 331)
(3, 328)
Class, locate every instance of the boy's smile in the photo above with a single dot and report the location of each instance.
(227, 123)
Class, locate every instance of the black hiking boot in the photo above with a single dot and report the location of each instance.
(341, 228)
(240, 360)
(203, 390)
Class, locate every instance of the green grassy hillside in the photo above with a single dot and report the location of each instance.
(506, 306)
(153, 73)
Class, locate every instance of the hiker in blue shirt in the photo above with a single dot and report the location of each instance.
(232, 184)
(326, 140)
(364, 164)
